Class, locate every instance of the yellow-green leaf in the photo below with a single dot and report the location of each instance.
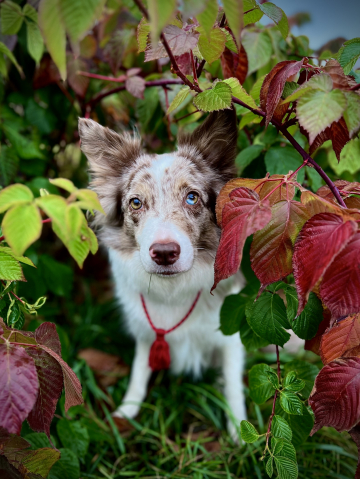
(207, 17)
(4, 49)
(218, 98)
(13, 195)
(212, 46)
(10, 269)
(22, 259)
(41, 461)
(30, 12)
(160, 13)
(53, 30)
(278, 16)
(54, 206)
(234, 15)
(349, 158)
(238, 91)
(35, 42)
(73, 220)
(21, 227)
(249, 118)
(352, 113)
(94, 245)
(179, 98)
(64, 183)
(89, 200)
(78, 16)
(11, 18)
(142, 34)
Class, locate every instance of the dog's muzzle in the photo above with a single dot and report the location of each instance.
(165, 254)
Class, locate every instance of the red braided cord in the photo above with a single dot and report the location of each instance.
(164, 331)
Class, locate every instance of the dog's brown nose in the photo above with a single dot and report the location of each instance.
(165, 254)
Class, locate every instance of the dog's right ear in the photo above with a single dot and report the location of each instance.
(108, 152)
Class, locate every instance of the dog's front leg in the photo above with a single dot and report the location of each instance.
(139, 378)
(233, 366)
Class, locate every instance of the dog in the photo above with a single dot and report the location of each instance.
(161, 233)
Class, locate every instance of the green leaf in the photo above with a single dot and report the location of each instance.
(248, 432)
(35, 42)
(67, 467)
(73, 220)
(349, 55)
(74, 436)
(321, 82)
(79, 246)
(278, 16)
(256, 88)
(53, 30)
(286, 468)
(307, 324)
(349, 158)
(316, 110)
(10, 268)
(314, 178)
(258, 49)
(142, 34)
(4, 49)
(30, 12)
(9, 164)
(94, 246)
(279, 160)
(11, 18)
(305, 371)
(58, 277)
(211, 46)
(249, 338)
(230, 44)
(249, 118)
(267, 317)
(218, 98)
(287, 449)
(160, 13)
(234, 12)
(79, 16)
(15, 317)
(145, 108)
(14, 195)
(179, 98)
(253, 16)
(291, 403)
(88, 200)
(239, 92)
(26, 148)
(247, 156)
(292, 384)
(352, 113)
(260, 388)
(64, 183)
(269, 467)
(54, 206)
(208, 16)
(40, 462)
(277, 445)
(231, 314)
(22, 227)
(280, 428)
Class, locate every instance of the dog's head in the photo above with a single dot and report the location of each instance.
(161, 207)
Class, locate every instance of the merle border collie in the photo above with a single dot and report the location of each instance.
(161, 233)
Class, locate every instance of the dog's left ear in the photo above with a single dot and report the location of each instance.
(215, 140)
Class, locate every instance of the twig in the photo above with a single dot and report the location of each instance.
(185, 116)
(100, 96)
(119, 79)
(194, 68)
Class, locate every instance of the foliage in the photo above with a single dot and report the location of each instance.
(300, 261)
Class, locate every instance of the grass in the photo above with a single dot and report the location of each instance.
(180, 431)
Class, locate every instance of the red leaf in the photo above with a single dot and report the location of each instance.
(272, 248)
(244, 215)
(335, 398)
(342, 340)
(50, 386)
(314, 343)
(273, 86)
(136, 86)
(340, 80)
(346, 188)
(72, 384)
(10, 443)
(285, 192)
(235, 64)
(338, 133)
(47, 335)
(355, 435)
(18, 386)
(184, 63)
(340, 288)
(320, 240)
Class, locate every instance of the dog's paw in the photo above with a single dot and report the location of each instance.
(126, 411)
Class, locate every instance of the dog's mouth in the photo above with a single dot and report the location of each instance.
(168, 273)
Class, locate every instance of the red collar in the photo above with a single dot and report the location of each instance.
(159, 357)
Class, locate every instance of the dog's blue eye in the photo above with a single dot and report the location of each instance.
(192, 198)
(135, 204)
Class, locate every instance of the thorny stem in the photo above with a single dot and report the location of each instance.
(268, 433)
(48, 220)
(295, 144)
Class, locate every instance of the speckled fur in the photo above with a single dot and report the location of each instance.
(120, 171)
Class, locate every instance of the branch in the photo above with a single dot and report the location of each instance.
(100, 96)
(119, 79)
(295, 144)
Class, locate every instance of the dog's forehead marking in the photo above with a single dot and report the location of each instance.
(161, 165)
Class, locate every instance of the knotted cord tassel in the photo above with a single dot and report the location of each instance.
(159, 357)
